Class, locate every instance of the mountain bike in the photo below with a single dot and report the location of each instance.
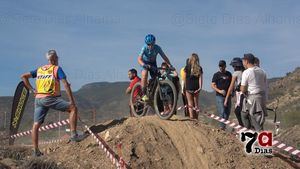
(162, 95)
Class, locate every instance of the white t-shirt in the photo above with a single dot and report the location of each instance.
(255, 79)
(238, 75)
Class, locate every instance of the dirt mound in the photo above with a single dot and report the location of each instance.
(291, 136)
(149, 142)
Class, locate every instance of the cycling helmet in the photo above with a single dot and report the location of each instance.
(150, 39)
(236, 62)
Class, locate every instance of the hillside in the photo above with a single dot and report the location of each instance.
(149, 142)
(287, 91)
(107, 99)
(110, 101)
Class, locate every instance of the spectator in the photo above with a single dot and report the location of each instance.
(234, 88)
(254, 86)
(220, 83)
(183, 95)
(193, 84)
(256, 62)
(172, 76)
(133, 76)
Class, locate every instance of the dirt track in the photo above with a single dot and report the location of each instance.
(153, 143)
(147, 142)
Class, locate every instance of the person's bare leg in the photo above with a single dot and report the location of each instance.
(130, 111)
(166, 109)
(35, 135)
(196, 102)
(184, 100)
(73, 118)
(144, 80)
(170, 106)
(190, 104)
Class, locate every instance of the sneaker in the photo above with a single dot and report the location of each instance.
(145, 98)
(78, 138)
(37, 153)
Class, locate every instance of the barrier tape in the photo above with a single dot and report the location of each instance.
(43, 128)
(120, 164)
(238, 129)
(47, 142)
(51, 141)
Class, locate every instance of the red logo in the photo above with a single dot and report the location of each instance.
(265, 139)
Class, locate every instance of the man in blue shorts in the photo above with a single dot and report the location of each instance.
(47, 96)
(147, 59)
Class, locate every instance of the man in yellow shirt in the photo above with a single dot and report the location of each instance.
(47, 96)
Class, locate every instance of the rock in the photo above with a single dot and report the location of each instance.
(200, 150)
(106, 136)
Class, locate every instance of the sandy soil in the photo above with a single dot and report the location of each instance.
(149, 142)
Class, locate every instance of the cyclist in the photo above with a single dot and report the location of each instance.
(147, 59)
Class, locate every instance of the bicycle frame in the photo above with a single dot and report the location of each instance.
(155, 82)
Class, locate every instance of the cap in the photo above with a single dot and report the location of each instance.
(236, 62)
(222, 63)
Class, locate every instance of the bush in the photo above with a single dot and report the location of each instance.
(16, 153)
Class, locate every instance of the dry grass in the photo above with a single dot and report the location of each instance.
(40, 164)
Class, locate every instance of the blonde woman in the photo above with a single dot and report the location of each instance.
(193, 84)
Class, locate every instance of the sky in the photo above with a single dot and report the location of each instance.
(100, 40)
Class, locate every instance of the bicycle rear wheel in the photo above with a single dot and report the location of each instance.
(138, 106)
(165, 99)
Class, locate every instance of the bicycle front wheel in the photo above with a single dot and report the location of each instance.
(165, 99)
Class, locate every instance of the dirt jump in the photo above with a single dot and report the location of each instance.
(149, 142)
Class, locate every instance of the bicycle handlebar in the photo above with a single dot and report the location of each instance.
(167, 69)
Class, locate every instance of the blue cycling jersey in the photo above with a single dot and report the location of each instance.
(149, 56)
